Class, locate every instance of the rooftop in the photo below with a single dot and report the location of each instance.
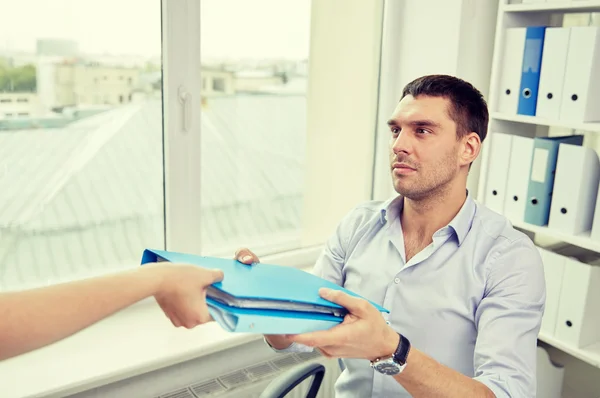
(90, 194)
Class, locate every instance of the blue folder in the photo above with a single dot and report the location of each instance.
(530, 73)
(541, 178)
(263, 298)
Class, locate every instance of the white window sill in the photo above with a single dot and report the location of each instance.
(137, 340)
(134, 341)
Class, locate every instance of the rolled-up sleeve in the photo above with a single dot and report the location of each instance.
(508, 321)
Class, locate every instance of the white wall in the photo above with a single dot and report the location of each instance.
(343, 70)
(423, 37)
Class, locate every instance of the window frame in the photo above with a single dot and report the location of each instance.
(182, 171)
(390, 89)
(181, 149)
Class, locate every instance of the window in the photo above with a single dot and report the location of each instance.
(253, 132)
(259, 164)
(83, 191)
(271, 163)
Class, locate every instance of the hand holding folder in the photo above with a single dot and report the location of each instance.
(263, 298)
(363, 334)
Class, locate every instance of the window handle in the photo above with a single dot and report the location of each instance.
(185, 99)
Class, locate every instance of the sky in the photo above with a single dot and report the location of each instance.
(255, 29)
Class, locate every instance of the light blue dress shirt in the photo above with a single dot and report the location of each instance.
(473, 299)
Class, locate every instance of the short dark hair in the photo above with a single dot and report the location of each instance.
(469, 109)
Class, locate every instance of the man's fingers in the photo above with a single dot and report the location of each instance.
(246, 256)
(355, 305)
(332, 337)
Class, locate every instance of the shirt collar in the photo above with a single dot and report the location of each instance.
(460, 224)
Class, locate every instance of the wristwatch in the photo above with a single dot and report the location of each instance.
(395, 363)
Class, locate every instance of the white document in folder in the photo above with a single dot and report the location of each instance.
(500, 150)
(552, 74)
(578, 318)
(510, 71)
(575, 189)
(554, 268)
(518, 178)
(581, 90)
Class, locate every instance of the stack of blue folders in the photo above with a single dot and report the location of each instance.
(263, 298)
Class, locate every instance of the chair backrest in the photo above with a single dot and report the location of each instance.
(285, 383)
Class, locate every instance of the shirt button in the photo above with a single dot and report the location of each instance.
(397, 280)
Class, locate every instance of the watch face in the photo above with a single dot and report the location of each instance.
(387, 367)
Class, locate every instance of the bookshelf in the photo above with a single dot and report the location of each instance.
(551, 14)
(589, 354)
(532, 120)
(573, 6)
(582, 240)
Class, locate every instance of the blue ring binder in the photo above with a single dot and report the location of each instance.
(263, 298)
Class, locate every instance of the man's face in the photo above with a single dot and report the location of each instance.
(425, 154)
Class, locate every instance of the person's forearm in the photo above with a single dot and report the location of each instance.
(34, 318)
(425, 377)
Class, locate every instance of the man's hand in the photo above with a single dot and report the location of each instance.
(363, 333)
(246, 256)
(181, 293)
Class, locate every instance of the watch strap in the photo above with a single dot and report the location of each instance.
(401, 354)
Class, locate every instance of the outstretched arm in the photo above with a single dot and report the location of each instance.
(34, 318)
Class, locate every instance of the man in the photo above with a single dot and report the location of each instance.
(465, 290)
(34, 318)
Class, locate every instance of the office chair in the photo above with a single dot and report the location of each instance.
(290, 379)
(286, 382)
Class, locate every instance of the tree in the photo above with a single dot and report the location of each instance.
(20, 79)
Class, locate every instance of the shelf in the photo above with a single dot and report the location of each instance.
(583, 240)
(546, 122)
(572, 6)
(589, 354)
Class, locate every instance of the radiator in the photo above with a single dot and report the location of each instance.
(250, 382)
